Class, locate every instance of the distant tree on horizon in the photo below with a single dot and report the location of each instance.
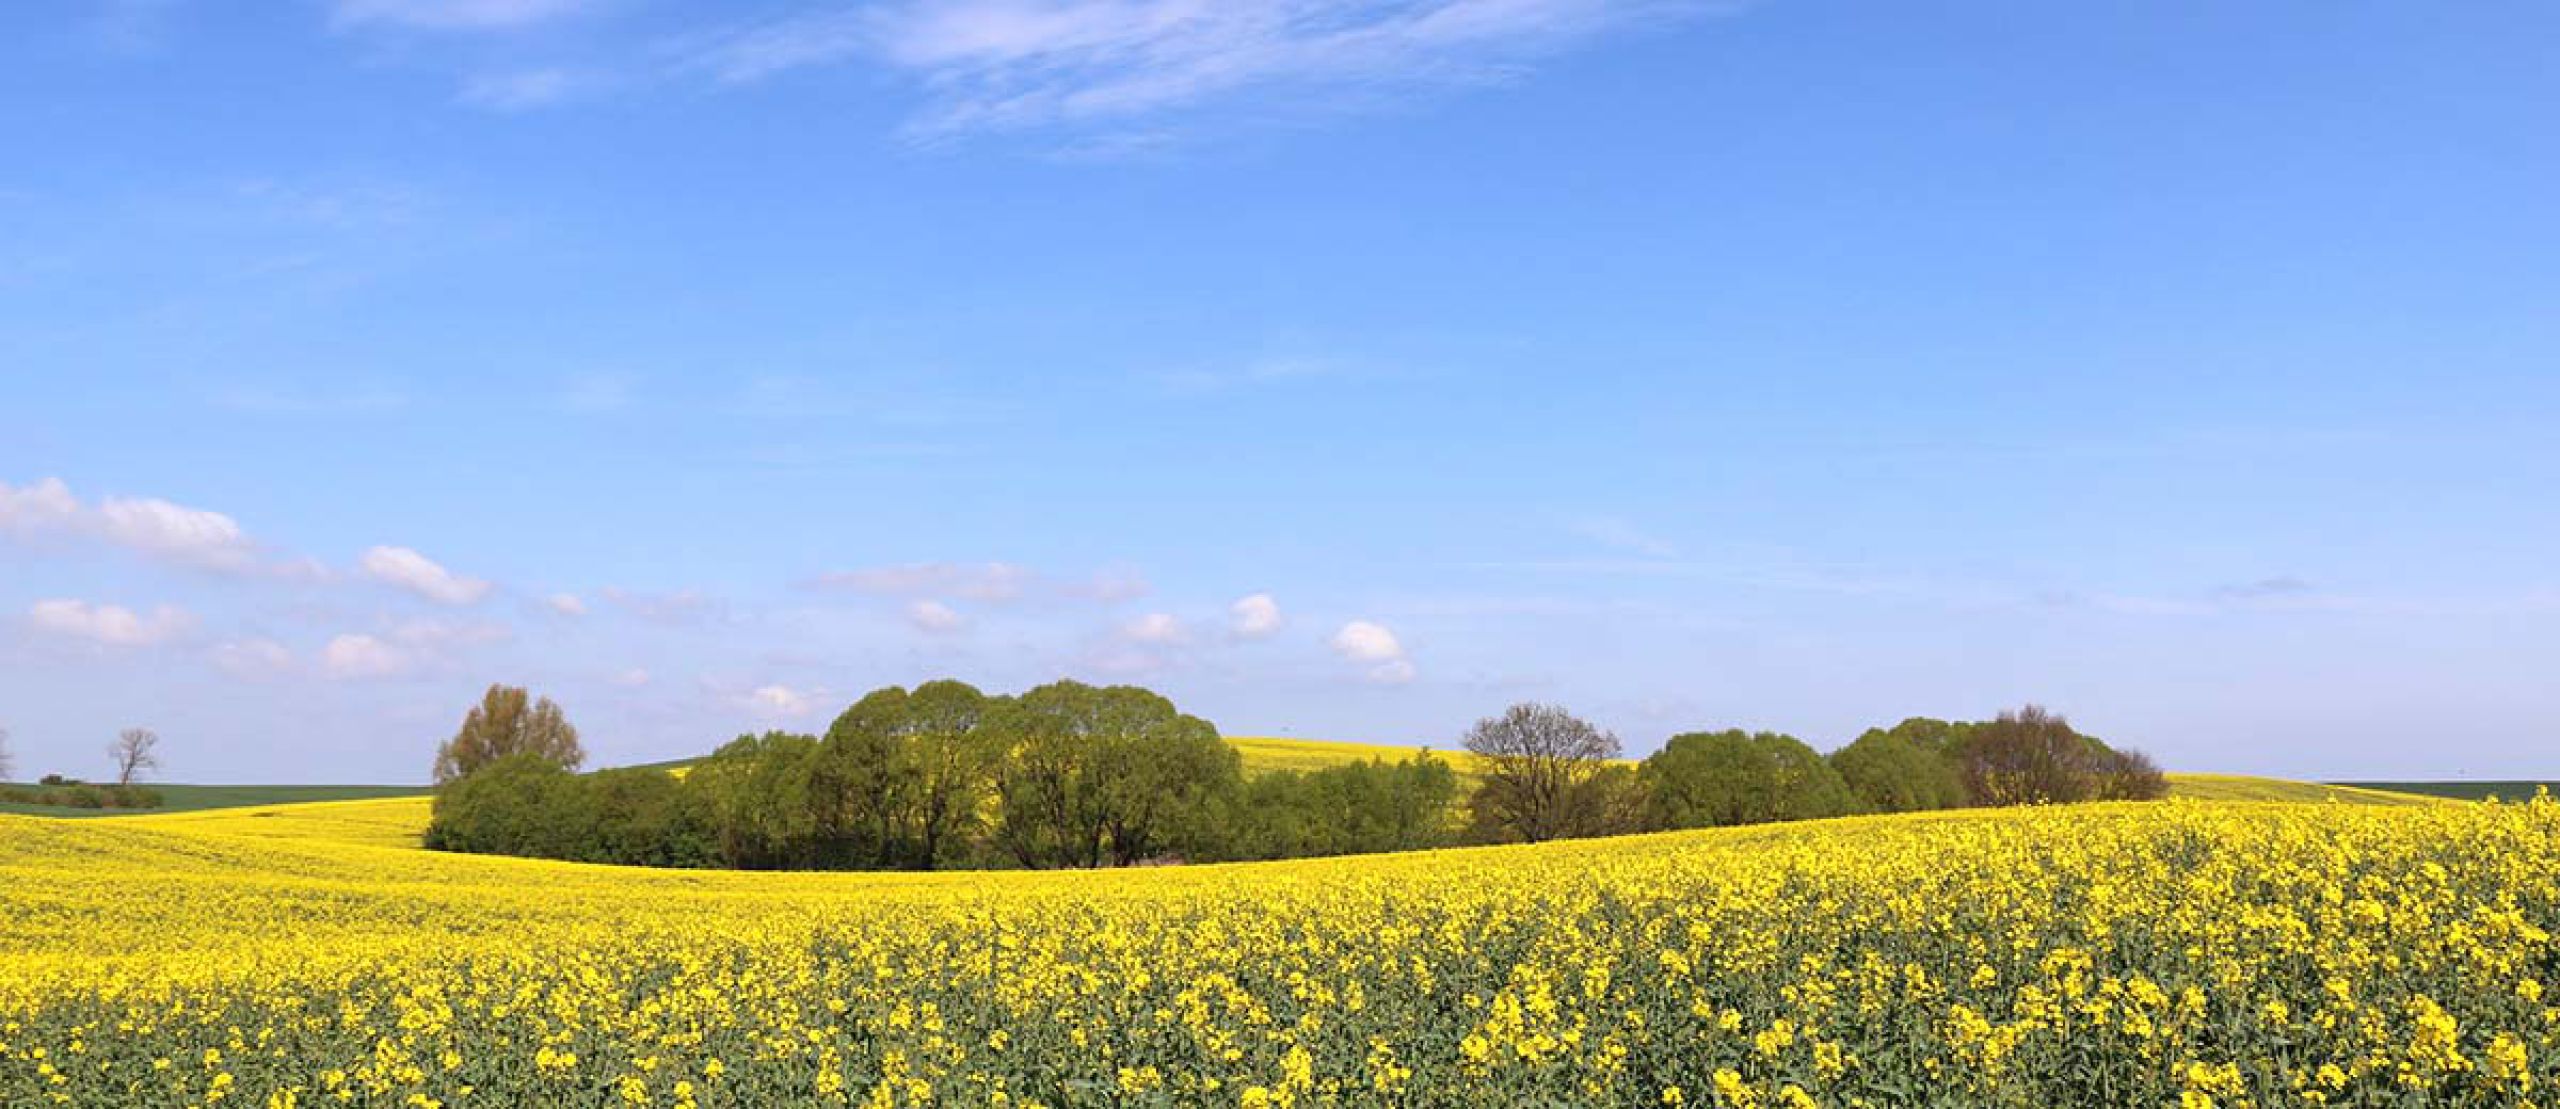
(135, 752)
(1543, 775)
(1712, 779)
(1891, 772)
(508, 722)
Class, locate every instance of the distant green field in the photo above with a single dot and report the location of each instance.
(180, 798)
(2465, 791)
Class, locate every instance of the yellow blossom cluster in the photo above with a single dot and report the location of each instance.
(2177, 953)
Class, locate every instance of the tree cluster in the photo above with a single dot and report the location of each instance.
(1073, 775)
(1549, 775)
(1065, 775)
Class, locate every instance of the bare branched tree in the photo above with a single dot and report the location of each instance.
(136, 752)
(1540, 762)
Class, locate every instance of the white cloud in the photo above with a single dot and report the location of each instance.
(159, 529)
(633, 678)
(519, 90)
(454, 15)
(567, 604)
(1363, 641)
(781, 702)
(354, 656)
(935, 617)
(44, 506)
(1373, 645)
(407, 569)
(992, 582)
(113, 625)
(1255, 616)
(251, 659)
(998, 64)
(1160, 629)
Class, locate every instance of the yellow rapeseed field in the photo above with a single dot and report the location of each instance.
(2181, 953)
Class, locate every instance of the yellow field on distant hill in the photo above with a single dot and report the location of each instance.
(2222, 952)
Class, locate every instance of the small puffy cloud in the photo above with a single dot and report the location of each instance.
(567, 604)
(403, 568)
(43, 506)
(633, 678)
(356, 656)
(1376, 647)
(935, 617)
(149, 526)
(780, 702)
(113, 625)
(251, 659)
(1364, 641)
(1255, 616)
(1160, 629)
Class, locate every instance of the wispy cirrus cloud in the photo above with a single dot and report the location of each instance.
(454, 15)
(523, 90)
(994, 583)
(992, 65)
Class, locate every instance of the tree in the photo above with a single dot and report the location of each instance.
(1540, 762)
(903, 776)
(136, 752)
(2030, 756)
(518, 804)
(1710, 779)
(1353, 808)
(2129, 775)
(755, 792)
(1889, 772)
(504, 724)
(951, 759)
(1093, 775)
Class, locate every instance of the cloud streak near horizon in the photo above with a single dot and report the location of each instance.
(1001, 65)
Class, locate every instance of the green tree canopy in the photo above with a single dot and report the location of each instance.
(1888, 772)
(1091, 775)
(1706, 779)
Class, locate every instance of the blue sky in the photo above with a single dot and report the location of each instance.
(1343, 368)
